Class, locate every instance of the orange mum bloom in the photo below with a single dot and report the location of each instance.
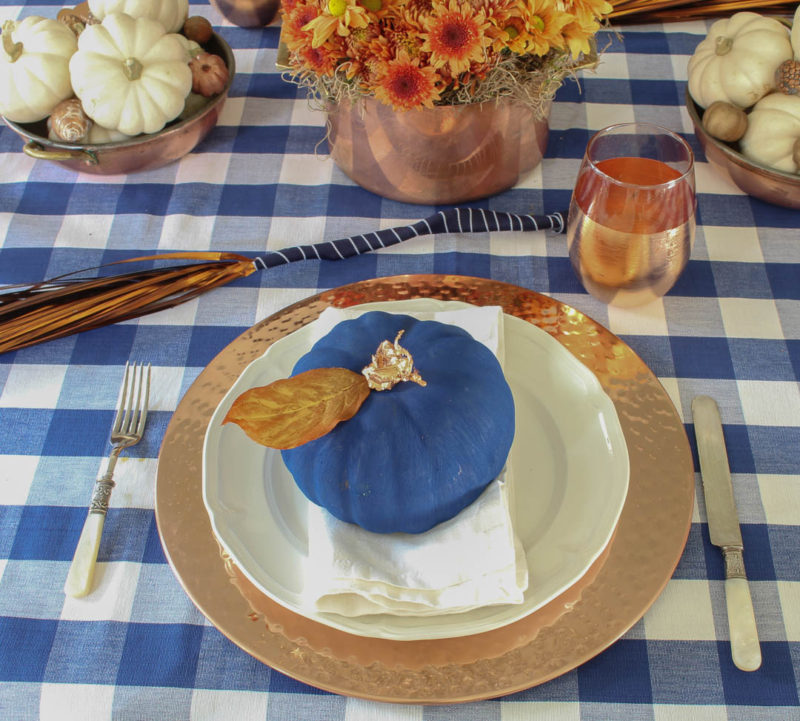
(578, 38)
(544, 25)
(511, 35)
(589, 11)
(403, 84)
(586, 22)
(293, 23)
(340, 16)
(321, 60)
(415, 53)
(456, 36)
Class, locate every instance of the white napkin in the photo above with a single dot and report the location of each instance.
(470, 561)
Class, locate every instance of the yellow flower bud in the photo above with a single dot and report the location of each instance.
(337, 7)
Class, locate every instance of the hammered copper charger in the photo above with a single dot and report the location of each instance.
(586, 619)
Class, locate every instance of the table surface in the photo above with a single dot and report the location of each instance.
(137, 647)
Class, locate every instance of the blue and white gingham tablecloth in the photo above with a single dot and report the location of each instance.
(137, 648)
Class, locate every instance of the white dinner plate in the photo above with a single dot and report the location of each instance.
(570, 466)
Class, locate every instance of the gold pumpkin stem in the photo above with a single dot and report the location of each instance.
(132, 68)
(391, 364)
(12, 49)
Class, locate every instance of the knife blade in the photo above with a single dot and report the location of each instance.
(723, 527)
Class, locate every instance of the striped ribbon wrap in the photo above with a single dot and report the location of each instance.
(454, 220)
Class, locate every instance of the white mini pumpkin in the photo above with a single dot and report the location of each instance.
(773, 132)
(796, 33)
(192, 48)
(170, 13)
(737, 60)
(99, 135)
(34, 67)
(130, 75)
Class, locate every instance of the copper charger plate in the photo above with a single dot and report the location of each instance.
(586, 619)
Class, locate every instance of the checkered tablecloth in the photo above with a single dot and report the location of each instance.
(137, 648)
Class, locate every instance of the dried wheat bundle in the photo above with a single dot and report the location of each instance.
(35, 312)
(60, 306)
(647, 11)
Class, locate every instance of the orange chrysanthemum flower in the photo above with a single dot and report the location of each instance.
(587, 16)
(511, 35)
(414, 53)
(403, 84)
(578, 38)
(415, 7)
(300, 16)
(456, 36)
(589, 12)
(544, 24)
(321, 60)
(381, 49)
(293, 23)
(340, 17)
(357, 54)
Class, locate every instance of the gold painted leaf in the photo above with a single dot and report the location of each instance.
(292, 411)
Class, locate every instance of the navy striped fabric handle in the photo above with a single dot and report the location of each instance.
(455, 220)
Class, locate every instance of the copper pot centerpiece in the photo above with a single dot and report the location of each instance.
(442, 155)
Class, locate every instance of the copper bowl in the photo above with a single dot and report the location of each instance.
(143, 152)
(772, 186)
(436, 156)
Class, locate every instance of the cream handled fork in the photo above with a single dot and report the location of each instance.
(127, 430)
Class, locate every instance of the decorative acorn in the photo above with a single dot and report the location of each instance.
(69, 122)
(787, 77)
(209, 74)
(197, 28)
(72, 21)
(725, 121)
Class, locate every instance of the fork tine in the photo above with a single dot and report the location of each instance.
(133, 406)
(145, 407)
(132, 402)
(122, 400)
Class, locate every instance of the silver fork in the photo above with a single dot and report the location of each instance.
(127, 430)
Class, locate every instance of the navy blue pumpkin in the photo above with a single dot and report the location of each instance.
(412, 456)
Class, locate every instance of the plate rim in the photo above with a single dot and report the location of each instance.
(229, 541)
(206, 580)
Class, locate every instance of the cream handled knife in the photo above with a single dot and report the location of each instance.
(723, 526)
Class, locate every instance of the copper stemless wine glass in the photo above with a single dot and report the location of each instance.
(632, 217)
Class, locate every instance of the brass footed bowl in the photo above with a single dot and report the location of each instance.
(143, 152)
(768, 184)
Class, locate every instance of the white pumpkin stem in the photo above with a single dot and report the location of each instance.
(796, 155)
(724, 45)
(132, 68)
(12, 49)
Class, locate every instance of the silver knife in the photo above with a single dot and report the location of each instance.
(723, 526)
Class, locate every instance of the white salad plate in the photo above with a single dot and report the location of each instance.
(570, 464)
